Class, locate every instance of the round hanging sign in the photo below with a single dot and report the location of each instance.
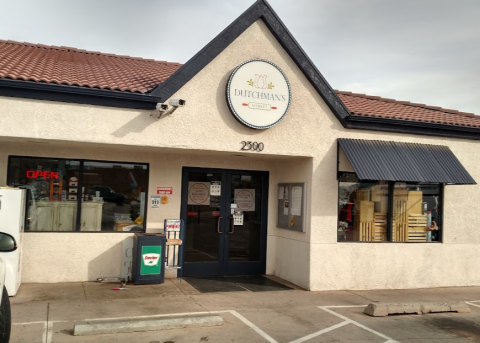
(258, 94)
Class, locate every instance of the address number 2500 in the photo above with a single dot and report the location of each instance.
(255, 146)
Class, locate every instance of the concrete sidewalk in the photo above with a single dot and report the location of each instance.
(47, 313)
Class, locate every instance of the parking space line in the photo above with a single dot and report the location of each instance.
(253, 326)
(48, 326)
(470, 303)
(321, 332)
(41, 322)
(47, 332)
(350, 321)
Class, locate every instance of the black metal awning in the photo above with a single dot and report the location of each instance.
(409, 162)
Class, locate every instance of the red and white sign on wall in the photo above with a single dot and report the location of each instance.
(165, 190)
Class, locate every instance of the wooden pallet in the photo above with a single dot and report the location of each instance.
(380, 227)
(367, 232)
(400, 229)
(417, 227)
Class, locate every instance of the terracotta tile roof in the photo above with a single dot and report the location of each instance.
(81, 68)
(378, 107)
(75, 67)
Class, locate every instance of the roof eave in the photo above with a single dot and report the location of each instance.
(75, 94)
(412, 127)
(259, 10)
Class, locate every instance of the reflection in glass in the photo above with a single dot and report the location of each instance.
(203, 222)
(416, 212)
(112, 195)
(244, 240)
(52, 203)
(363, 209)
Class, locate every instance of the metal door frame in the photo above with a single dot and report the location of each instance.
(224, 267)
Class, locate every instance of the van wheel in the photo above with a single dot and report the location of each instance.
(5, 317)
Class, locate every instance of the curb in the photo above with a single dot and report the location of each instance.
(105, 326)
(384, 309)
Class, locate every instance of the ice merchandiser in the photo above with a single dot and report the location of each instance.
(12, 221)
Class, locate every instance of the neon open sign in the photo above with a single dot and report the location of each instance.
(45, 174)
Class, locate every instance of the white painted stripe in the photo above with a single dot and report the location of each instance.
(345, 306)
(253, 326)
(42, 322)
(358, 324)
(321, 332)
(27, 323)
(49, 332)
(470, 303)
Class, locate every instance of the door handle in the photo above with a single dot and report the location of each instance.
(218, 225)
(232, 225)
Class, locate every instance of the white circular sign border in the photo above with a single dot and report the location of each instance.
(230, 105)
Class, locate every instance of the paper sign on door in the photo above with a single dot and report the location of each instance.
(238, 218)
(216, 188)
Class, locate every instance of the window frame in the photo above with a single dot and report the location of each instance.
(80, 185)
(391, 186)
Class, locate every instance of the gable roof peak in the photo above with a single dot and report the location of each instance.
(261, 9)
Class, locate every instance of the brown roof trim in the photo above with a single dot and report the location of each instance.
(77, 95)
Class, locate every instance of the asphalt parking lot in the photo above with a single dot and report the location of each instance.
(47, 313)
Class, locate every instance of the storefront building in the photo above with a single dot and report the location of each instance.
(271, 170)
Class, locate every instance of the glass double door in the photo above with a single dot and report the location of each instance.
(225, 216)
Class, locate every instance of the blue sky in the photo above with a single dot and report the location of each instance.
(424, 51)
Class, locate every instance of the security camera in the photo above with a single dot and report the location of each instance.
(177, 102)
(161, 107)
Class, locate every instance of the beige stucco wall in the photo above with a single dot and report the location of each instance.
(301, 148)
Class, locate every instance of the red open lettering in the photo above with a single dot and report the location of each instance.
(35, 174)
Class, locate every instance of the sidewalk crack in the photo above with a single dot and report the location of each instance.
(84, 291)
(195, 301)
(47, 324)
(361, 296)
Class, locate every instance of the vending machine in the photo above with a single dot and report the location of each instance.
(12, 221)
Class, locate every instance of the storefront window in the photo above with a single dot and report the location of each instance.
(416, 212)
(120, 188)
(364, 205)
(78, 195)
(363, 208)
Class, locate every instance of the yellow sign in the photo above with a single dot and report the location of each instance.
(164, 199)
(139, 221)
(292, 221)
